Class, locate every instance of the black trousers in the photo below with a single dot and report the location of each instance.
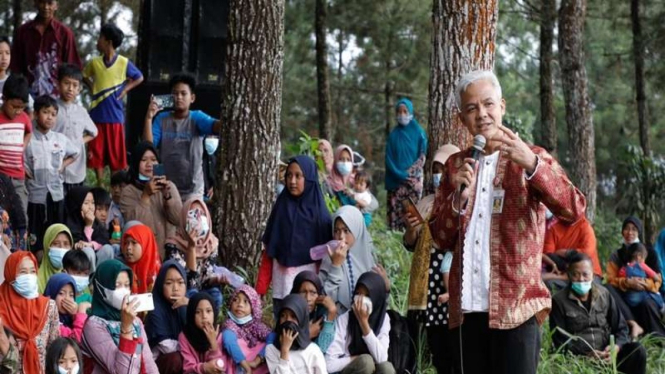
(440, 345)
(481, 350)
(632, 359)
(41, 216)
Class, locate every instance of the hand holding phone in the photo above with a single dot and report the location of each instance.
(410, 207)
(164, 101)
(145, 302)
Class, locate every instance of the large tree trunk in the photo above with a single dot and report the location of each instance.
(18, 13)
(250, 144)
(323, 85)
(547, 117)
(463, 40)
(578, 112)
(640, 90)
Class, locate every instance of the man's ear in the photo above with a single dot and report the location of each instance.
(193, 97)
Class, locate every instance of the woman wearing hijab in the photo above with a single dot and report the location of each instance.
(32, 318)
(326, 155)
(61, 288)
(299, 221)
(339, 182)
(139, 252)
(150, 199)
(200, 340)
(646, 315)
(321, 309)
(339, 272)
(293, 352)
(166, 321)
(197, 253)
(363, 333)
(405, 160)
(660, 252)
(57, 241)
(426, 279)
(114, 340)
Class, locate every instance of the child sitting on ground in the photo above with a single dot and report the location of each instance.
(77, 264)
(636, 268)
(62, 289)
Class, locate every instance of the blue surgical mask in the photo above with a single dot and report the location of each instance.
(82, 282)
(404, 119)
(143, 178)
(344, 167)
(73, 370)
(548, 214)
(56, 255)
(240, 321)
(581, 288)
(436, 179)
(26, 286)
(279, 188)
(211, 145)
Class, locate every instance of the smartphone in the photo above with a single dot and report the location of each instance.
(410, 207)
(164, 101)
(158, 170)
(145, 302)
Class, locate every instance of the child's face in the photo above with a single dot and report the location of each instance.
(638, 257)
(5, 56)
(132, 250)
(101, 212)
(69, 89)
(116, 192)
(287, 315)
(183, 96)
(13, 107)
(66, 293)
(174, 286)
(69, 359)
(102, 44)
(295, 180)
(240, 306)
(147, 162)
(361, 186)
(46, 117)
(46, 8)
(61, 241)
(204, 314)
(88, 204)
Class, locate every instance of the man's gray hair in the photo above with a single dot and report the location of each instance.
(472, 77)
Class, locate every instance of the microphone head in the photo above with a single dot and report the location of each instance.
(479, 142)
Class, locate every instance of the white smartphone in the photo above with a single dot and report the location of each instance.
(145, 302)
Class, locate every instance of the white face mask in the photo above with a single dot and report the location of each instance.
(26, 286)
(404, 119)
(344, 168)
(436, 179)
(211, 145)
(115, 297)
(73, 370)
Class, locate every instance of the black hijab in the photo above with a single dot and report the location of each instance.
(298, 306)
(625, 254)
(310, 276)
(165, 322)
(377, 293)
(196, 337)
(137, 154)
(73, 203)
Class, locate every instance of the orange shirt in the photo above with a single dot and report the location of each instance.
(578, 236)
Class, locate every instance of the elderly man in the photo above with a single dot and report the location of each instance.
(495, 227)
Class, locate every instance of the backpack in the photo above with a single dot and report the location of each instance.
(402, 348)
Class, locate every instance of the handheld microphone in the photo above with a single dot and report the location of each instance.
(477, 150)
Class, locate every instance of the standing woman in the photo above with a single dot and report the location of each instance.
(32, 318)
(405, 160)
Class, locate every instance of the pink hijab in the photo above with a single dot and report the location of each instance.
(336, 181)
(206, 244)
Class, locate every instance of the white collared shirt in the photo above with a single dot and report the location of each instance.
(476, 256)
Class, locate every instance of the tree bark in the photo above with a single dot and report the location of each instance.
(18, 13)
(463, 40)
(323, 84)
(640, 90)
(579, 121)
(547, 116)
(250, 143)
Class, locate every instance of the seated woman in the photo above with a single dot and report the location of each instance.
(293, 352)
(321, 309)
(61, 288)
(165, 323)
(587, 311)
(88, 232)
(32, 318)
(114, 340)
(647, 313)
(64, 356)
(139, 252)
(200, 340)
(197, 253)
(245, 335)
(363, 333)
(150, 199)
(57, 241)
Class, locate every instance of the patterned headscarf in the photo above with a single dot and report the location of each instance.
(254, 331)
(206, 244)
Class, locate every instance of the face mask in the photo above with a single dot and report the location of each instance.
(81, 282)
(211, 145)
(367, 302)
(344, 168)
(404, 119)
(198, 221)
(115, 297)
(637, 240)
(240, 321)
(548, 214)
(73, 370)
(56, 255)
(143, 178)
(581, 288)
(26, 286)
(436, 179)
(279, 188)
(290, 325)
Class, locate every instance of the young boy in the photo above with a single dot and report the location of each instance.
(40, 46)
(73, 121)
(110, 77)
(178, 134)
(102, 208)
(15, 129)
(77, 264)
(118, 182)
(5, 60)
(46, 157)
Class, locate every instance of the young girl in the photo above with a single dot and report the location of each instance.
(245, 335)
(139, 251)
(57, 241)
(200, 340)
(64, 357)
(61, 288)
(293, 351)
(321, 309)
(89, 234)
